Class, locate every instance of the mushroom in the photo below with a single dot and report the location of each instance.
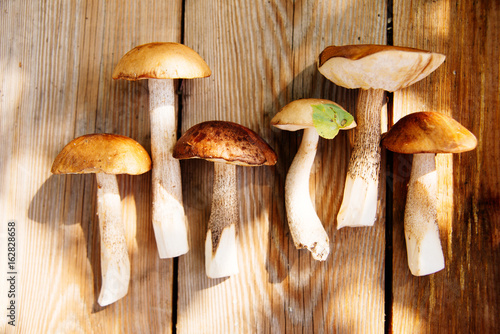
(160, 63)
(227, 145)
(305, 226)
(107, 155)
(374, 69)
(424, 134)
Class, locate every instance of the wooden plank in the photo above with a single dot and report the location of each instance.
(464, 297)
(263, 55)
(56, 61)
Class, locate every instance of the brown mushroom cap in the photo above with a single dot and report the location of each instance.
(298, 115)
(161, 61)
(222, 141)
(102, 153)
(377, 66)
(428, 132)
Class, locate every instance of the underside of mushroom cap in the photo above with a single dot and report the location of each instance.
(224, 142)
(428, 132)
(102, 153)
(161, 61)
(377, 66)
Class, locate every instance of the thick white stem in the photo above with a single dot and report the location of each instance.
(359, 204)
(169, 220)
(115, 263)
(305, 227)
(221, 258)
(423, 246)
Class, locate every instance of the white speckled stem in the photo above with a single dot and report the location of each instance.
(423, 246)
(115, 263)
(305, 227)
(169, 220)
(221, 258)
(359, 204)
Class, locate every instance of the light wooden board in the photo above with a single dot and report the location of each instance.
(263, 55)
(56, 60)
(465, 296)
(56, 63)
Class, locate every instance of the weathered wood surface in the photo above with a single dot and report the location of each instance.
(465, 296)
(263, 55)
(56, 60)
(56, 63)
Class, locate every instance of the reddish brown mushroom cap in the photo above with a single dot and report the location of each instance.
(224, 141)
(428, 132)
(161, 61)
(377, 66)
(102, 153)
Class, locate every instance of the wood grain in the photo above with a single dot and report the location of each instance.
(56, 59)
(263, 55)
(464, 297)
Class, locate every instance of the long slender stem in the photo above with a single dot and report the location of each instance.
(359, 204)
(115, 263)
(220, 245)
(169, 220)
(423, 246)
(305, 226)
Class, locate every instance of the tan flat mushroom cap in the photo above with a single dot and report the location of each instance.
(428, 132)
(161, 61)
(228, 142)
(377, 66)
(298, 115)
(102, 153)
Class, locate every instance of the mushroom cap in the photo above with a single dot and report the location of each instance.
(298, 115)
(102, 153)
(228, 142)
(428, 132)
(384, 67)
(161, 61)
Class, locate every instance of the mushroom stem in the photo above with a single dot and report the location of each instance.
(359, 204)
(220, 245)
(115, 263)
(305, 227)
(169, 221)
(423, 246)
